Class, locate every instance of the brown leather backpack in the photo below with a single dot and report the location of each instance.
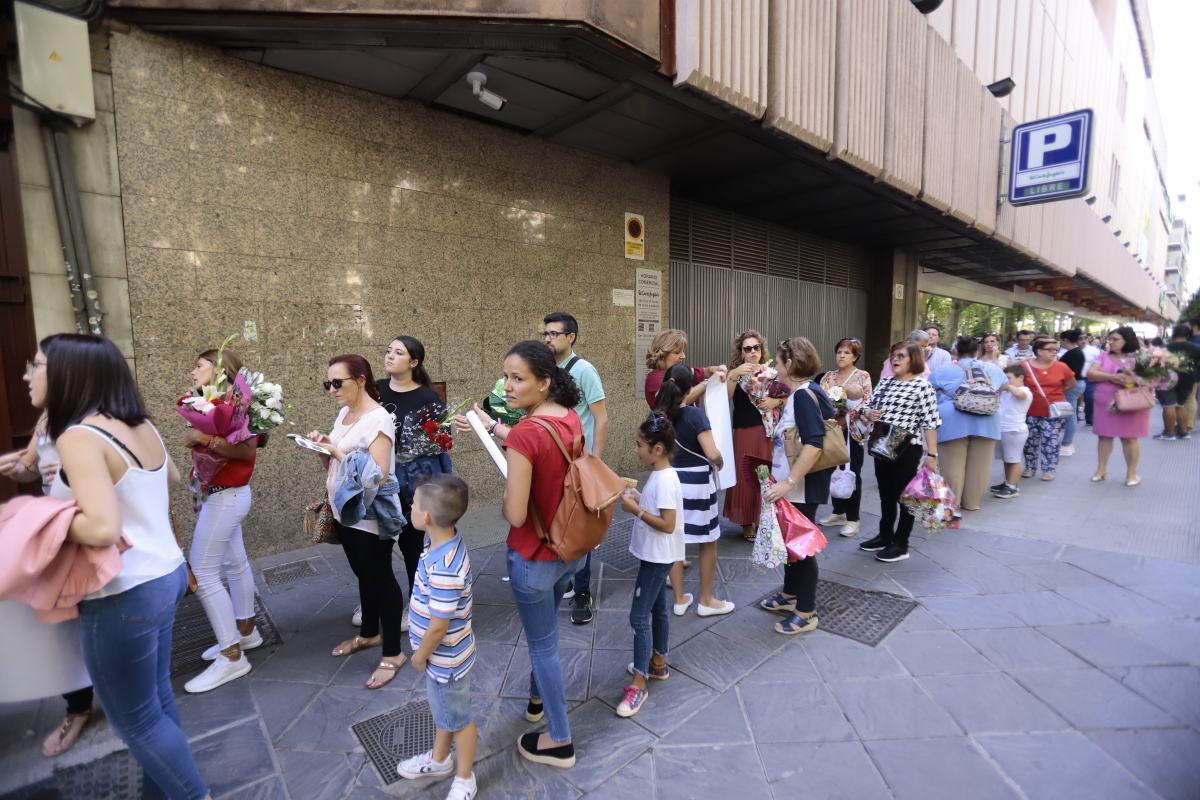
(590, 494)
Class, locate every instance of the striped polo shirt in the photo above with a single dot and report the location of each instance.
(442, 589)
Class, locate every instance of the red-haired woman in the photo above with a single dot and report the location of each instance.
(363, 423)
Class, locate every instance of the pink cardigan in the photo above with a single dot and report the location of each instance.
(40, 568)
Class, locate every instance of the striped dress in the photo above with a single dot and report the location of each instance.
(700, 523)
(443, 589)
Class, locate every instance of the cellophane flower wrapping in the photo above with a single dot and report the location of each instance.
(770, 551)
(266, 403)
(802, 538)
(764, 384)
(1159, 367)
(929, 499)
(216, 410)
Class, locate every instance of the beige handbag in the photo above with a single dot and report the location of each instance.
(834, 451)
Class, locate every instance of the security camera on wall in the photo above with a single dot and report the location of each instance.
(490, 99)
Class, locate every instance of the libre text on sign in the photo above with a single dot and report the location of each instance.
(1050, 158)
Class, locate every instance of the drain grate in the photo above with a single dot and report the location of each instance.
(288, 573)
(192, 634)
(860, 614)
(114, 777)
(396, 735)
(614, 550)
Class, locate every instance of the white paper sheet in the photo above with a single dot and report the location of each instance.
(490, 446)
(716, 406)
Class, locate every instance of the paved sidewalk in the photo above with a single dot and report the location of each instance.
(1034, 667)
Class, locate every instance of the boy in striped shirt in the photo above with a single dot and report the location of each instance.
(439, 628)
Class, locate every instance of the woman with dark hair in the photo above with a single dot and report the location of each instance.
(1112, 370)
(1050, 380)
(407, 394)
(990, 351)
(534, 383)
(907, 405)
(806, 410)
(855, 384)
(1074, 357)
(749, 436)
(116, 469)
(694, 458)
(217, 545)
(362, 423)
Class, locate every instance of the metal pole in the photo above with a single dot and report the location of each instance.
(67, 245)
(91, 296)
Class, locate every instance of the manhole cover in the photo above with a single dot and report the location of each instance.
(192, 634)
(288, 573)
(859, 614)
(392, 737)
(114, 777)
(614, 550)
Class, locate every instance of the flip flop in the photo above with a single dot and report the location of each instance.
(387, 667)
(65, 735)
(356, 644)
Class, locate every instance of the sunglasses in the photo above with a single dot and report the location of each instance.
(336, 383)
(752, 348)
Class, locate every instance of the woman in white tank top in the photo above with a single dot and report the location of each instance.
(115, 468)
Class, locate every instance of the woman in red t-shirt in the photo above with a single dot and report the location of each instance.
(217, 542)
(1050, 380)
(666, 351)
(536, 469)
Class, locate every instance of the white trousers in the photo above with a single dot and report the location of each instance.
(217, 548)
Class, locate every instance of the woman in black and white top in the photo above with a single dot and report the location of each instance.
(906, 401)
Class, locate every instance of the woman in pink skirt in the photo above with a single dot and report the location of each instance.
(1112, 370)
(749, 435)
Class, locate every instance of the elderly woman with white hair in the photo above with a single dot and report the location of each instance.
(921, 339)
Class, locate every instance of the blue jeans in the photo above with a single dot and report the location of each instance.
(648, 614)
(1072, 419)
(538, 587)
(127, 648)
(583, 578)
(1089, 401)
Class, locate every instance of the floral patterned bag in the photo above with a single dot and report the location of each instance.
(319, 523)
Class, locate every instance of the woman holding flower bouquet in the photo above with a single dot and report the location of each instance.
(1112, 370)
(223, 470)
(848, 387)
(747, 376)
(805, 410)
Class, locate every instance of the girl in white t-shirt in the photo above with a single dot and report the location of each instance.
(658, 543)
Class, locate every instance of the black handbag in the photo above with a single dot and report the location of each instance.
(889, 442)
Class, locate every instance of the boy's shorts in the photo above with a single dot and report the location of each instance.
(1012, 446)
(450, 703)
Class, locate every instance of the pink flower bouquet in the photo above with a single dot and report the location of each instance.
(929, 499)
(763, 385)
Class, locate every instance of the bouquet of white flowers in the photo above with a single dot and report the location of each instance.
(266, 403)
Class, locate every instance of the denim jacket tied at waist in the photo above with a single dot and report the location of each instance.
(364, 492)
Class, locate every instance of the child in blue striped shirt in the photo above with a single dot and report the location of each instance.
(439, 629)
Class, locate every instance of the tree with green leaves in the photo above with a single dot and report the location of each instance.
(1192, 310)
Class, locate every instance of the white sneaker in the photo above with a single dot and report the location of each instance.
(849, 529)
(356, 617)
(1068, 450)
(218, 673)
(423, 766)
(681, 608)
(253, 640)
(463, 788)
(833, 519)
(726, 607)
(570, 592)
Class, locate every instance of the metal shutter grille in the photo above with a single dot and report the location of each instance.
(751, 245)
(810, 254)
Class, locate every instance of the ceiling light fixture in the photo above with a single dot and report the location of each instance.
(1002, 88)
(490, 99)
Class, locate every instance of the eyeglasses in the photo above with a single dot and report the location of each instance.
(553, 334)
(336, 383)
(31, 366)
(752, 348)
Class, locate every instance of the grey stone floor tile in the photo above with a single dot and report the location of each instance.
(969, 612)
(921, 619)
(1179, 638)
(744, 594)
(500, 624)
(1116, 603)
(608, 673)
(754, 626)
(1181, 598)
(743, 570)
(892, 708)
(616, 594)
(931, 583)
(700, 771)
(1131, 571)
(715, 660)
(1107, 645)
(316, 776)
(635, 779)
(722, 721)
(325, 724)
(987, 575)
(671, 702)
(569, 634)
(612, 631)
(576, 665)
(490, 669)
(604, 743)
(506, 775)
(937, 653)
(1060, 574)
(279, 703)
(269, 789)
(938, 769)
(811, 714)
(837, 657)
(201, 713)
(1045, 608)
(234, 757)
(790, 665)
(1057, 765)
(356, 669)
(1174, 689)
(1022, 648)
(491, 590)
(305, 657)
(827, 770)
(1164, 760)
(1088, 698)
(500, 722)
(992, 703)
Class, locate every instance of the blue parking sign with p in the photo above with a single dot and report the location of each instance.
(1050, 158)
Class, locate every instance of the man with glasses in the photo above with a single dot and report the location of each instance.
(560, 330)
(1021, 351)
